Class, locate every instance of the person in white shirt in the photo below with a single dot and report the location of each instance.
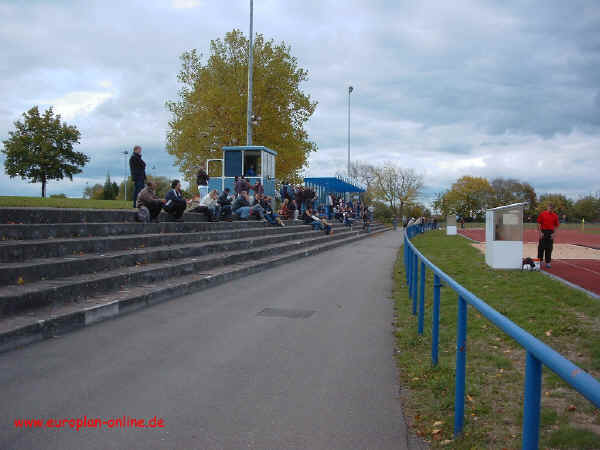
(210, 206)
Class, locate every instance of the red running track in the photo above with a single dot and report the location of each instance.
(560, 236)
(582, 272)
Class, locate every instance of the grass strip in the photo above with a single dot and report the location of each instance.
(38, 202)
(564, 318)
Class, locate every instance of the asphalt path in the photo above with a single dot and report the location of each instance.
(220, 375)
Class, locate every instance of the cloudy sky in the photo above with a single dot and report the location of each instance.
(485, 88)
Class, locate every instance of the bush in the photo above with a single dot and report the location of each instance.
(58, 196)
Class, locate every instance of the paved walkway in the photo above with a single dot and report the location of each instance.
(223, 377)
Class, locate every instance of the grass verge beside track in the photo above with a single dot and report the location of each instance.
(39, 202)
(564, 318)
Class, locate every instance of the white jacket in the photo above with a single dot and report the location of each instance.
(208, 201)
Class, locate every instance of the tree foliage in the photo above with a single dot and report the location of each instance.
(562, 205)
(211, 109)
(587, 208)
(95, 192)
(41, 149)
(507, 191)
(110, 190)
(468, 197)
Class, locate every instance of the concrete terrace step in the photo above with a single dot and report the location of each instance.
(81, 229)
(18, 251)
(194, 245)
(78, 215)
(43, 323)
(48, 293)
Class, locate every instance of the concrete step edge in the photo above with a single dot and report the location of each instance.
(48, 292)
(45, 329)
(11, 271)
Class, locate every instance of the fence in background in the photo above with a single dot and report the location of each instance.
(538, 353)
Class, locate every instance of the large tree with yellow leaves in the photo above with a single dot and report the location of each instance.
(211, 109)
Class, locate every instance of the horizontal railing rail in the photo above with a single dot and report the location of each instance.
(538, 353)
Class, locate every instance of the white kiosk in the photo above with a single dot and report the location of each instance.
(451, 225)
(504, 236)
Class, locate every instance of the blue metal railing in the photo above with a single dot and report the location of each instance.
(538, 353)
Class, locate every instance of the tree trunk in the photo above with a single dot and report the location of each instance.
(43, 188)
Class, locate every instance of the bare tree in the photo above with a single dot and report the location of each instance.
(363, 172)
(397, 186)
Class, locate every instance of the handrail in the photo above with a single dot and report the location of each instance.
(538, 353)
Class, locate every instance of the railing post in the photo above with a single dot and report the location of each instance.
(461, 360)
(422, 298)
(531, 403)
(415, 264)
(435, 325)
(408, 267)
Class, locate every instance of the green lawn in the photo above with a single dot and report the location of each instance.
(564, 318)
(64, 203)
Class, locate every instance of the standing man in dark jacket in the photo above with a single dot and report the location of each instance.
(138, 171)
(202, 182)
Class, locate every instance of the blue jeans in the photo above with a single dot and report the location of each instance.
(258, 210)
(243, 212)
(271, 218)
(139, 185)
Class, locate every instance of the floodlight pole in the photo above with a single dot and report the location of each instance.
(350, 89)
(250, 64)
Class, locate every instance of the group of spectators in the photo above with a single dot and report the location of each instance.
(215, 205)
(297, 202)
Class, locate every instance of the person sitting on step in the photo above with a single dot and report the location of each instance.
(147, 199)
(210, 207)
(224, 202)
(256, 208)
(271, 216)
(175, 203)
(318, 224)
(241, 206)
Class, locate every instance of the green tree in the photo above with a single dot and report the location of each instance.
(587, 208)
(95, 192)
(110, 191)
(130, 189)
(41, 149)
(211, 109)
(507, 191)
(562, 205)
(468, 197)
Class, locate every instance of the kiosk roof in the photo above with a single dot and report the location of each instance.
(334, 184)
(260, 148)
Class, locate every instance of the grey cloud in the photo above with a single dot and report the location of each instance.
(435, 82)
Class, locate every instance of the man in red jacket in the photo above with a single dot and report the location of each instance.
(547, 223)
